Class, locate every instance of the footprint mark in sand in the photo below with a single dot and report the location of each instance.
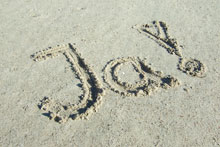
(150, 80)
(158, 31)
(91, 87)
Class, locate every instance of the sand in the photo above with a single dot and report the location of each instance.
(110, 73)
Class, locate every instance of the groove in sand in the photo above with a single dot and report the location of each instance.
(158, 31)
(91, 87)
(150, 80)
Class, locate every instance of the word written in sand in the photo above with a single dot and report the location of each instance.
(149, 79)
(93, 90)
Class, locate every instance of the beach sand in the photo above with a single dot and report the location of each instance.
(98, 73)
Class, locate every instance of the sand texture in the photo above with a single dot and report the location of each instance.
(98, 73)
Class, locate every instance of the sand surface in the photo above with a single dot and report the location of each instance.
(125, 73)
